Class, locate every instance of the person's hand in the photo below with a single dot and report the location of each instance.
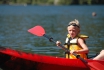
(58, 43)
(72, 51)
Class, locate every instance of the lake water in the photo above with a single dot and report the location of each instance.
(16, 20)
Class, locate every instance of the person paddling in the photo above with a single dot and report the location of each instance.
(74, 41)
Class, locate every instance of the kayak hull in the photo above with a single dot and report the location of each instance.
(18, 60)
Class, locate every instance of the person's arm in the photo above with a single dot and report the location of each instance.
(83, 46)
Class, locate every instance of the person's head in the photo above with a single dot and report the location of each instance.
(73, 28)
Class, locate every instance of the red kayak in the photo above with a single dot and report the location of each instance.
(18, 60)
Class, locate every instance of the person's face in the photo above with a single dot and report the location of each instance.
(73, 31)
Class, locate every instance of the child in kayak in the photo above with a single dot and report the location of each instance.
(100, 56)
(74, 41)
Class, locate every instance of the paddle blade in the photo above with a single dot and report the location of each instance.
(37, 30)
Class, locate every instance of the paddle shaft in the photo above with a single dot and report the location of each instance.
(67, 50)
(51, 40)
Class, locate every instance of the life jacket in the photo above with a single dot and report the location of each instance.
(73, 45)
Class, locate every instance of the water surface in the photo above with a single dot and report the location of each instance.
(16, 20)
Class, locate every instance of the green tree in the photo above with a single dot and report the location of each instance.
(53, 2)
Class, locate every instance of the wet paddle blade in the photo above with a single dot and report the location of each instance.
(37, 30)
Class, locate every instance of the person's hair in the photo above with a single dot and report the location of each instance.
(74, 23)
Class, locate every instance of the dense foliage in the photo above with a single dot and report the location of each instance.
(53, 2)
